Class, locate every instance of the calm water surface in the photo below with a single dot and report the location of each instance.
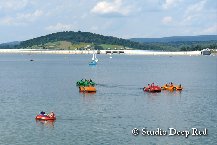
(107, 117)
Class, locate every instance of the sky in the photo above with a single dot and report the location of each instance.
(25, 19)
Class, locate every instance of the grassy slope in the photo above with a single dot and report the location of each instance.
(108, 46)
(65, 45)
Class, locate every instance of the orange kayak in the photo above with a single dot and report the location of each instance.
(45, 117)
(178, 88)
(171, 88)
(166, 87)
(87, 89)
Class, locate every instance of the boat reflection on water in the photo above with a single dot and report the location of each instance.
(165, 93)
(46, 123)
(86, 94)
(88, 97)
(152, 95)
(172, 93)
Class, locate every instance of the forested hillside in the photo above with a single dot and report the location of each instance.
(70, 40)
(177, 39)
(81, 37)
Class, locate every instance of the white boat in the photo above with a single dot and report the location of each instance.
(94, 60)
(94, 57)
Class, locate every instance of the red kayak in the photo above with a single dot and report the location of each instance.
(50, 116)
(152, 89)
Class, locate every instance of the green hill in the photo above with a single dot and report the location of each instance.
(180, 43)
(70, 40)
(10, 45)
(177, 39)
(77, 40)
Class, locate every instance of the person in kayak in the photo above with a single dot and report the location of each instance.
(42, 113)
(171, 84)
(51, 114)
(148, 86)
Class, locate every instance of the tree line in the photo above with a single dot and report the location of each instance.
(76, 37)
(97, 39)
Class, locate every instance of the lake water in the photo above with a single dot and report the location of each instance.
(108, 116)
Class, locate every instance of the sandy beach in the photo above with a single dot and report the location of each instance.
(126, 52)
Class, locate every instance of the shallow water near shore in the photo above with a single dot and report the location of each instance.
(119, 105)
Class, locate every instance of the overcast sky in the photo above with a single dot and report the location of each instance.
(26, 19)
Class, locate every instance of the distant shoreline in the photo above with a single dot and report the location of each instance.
(123, 52)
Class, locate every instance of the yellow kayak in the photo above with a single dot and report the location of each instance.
(171, 88)
(87, 89)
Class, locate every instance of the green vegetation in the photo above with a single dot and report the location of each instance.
(10, 45)
(70, 40)
(109, 46)
(182, 46)
(177, 39)
(214, 51)
(78, 38)
(61, 45)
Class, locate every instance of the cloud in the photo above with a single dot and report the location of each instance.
(195, 8)
(29, 16)
(167, 20)
(59, 27)
(94, 28)
(211, 30)
(115, 7)
(21, 18)
(11, 5)
(7, 21)
(194, 11)
(170, 3)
